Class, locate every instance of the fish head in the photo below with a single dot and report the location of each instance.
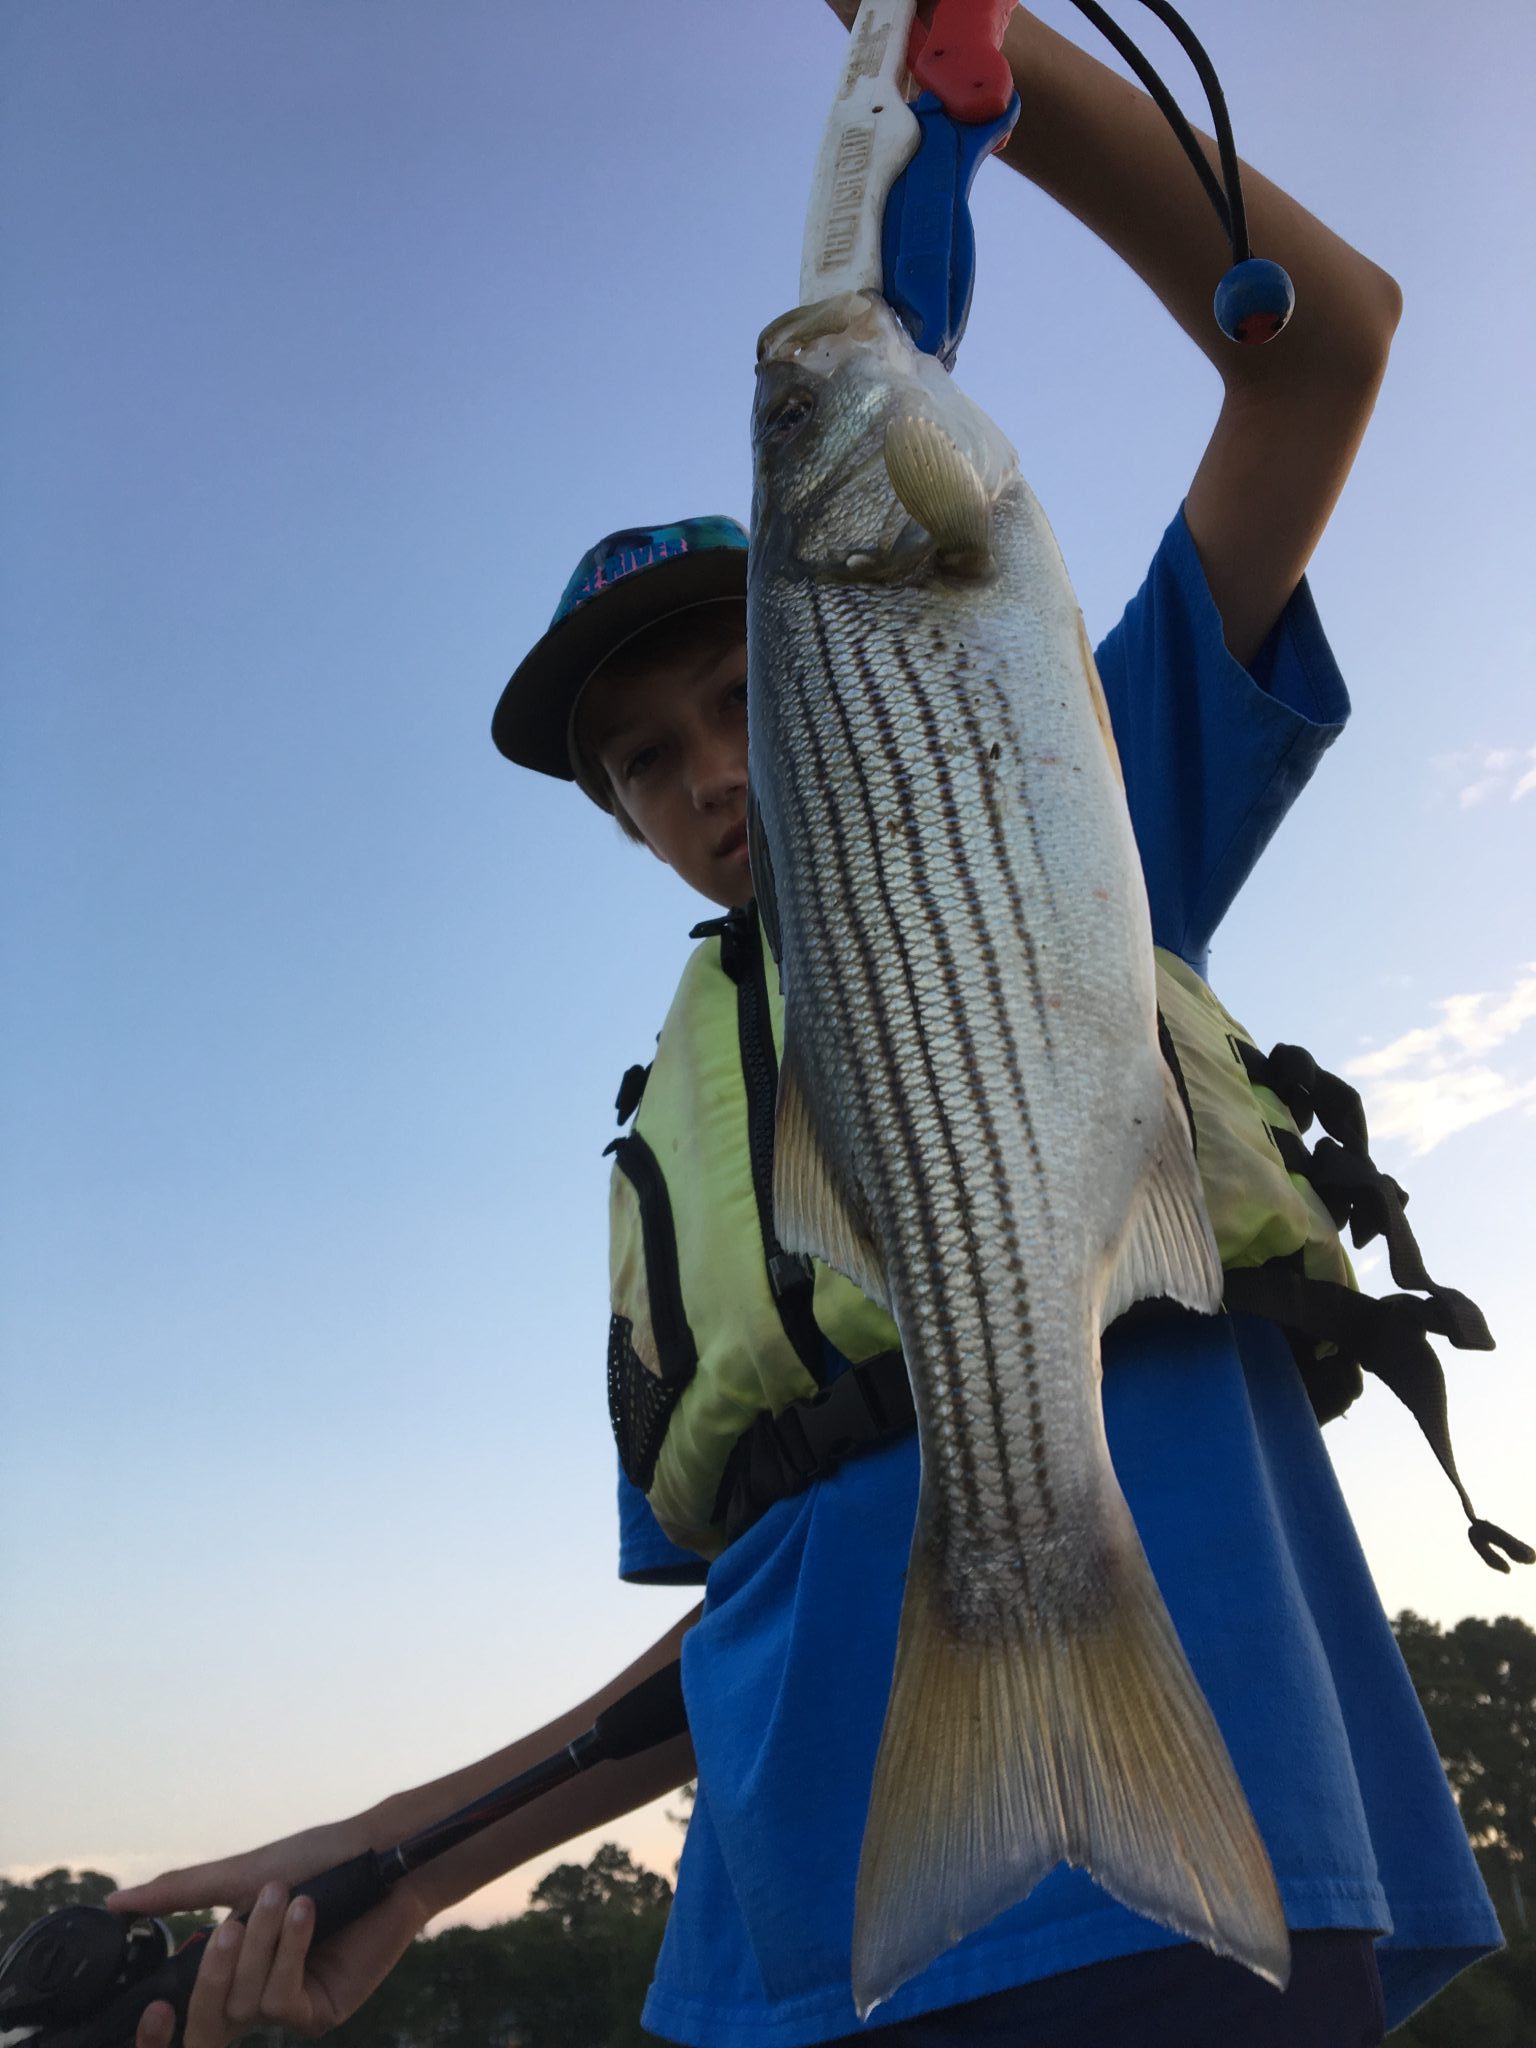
(869, 463)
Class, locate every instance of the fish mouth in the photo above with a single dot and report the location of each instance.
(805, 333)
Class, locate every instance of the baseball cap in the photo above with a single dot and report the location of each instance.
(627, 582)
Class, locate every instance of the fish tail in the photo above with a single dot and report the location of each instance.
(1091, 1745)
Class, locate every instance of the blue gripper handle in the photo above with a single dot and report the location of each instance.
(927, 247)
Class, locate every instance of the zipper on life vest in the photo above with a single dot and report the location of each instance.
(791, 1278)
(676, 1351)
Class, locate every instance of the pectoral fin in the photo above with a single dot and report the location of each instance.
(942, 489)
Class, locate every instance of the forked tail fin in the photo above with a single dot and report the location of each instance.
(1093, 1747)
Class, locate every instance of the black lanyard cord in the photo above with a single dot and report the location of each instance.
(1229, 204)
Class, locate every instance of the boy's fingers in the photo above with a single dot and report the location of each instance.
(286, 1998)
(157, 2023)
(207, 2023)
(244, 2003)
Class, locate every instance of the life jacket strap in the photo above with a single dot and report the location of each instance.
(868, 1405)
(1352, 1186)
(1388, 1337)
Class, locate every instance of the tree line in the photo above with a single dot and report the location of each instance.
(572, 1970)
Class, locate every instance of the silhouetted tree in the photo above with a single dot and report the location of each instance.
(1477, 1686)
(22, 1902)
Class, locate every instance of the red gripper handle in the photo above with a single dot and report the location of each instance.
(959, 58)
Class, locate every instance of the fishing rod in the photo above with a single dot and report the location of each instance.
(83, 1977)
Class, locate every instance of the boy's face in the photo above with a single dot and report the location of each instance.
(671, 736)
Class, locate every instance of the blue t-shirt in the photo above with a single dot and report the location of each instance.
(1222, 1462)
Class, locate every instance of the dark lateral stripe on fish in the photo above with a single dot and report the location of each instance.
(962, 663)
(952, 1387)
(981, 922)
(971, 1068)
(845, 901)
(981, 931)
(1000, 1022)
(825, 827)
(957, 651)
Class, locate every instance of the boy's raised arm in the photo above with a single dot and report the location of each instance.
(1294, 410)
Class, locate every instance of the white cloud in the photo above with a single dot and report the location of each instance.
(1426, 1112)
(1438, 1078)
(1482, 774)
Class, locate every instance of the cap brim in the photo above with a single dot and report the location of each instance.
(533, 715)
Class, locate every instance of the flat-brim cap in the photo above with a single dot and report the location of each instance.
(626, 583)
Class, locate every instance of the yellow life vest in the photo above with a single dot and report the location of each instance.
(715, 1327)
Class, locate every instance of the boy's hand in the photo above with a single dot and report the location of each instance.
(262, 1973)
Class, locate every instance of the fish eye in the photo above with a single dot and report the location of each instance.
(788, 416)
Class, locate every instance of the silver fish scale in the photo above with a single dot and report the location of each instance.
(969, 1002)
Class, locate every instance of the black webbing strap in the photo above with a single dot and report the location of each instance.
(868, 1405)
(1355, 1191)
(1388, 1337)
(1352, 1186)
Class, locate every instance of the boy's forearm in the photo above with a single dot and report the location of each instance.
(597, 1796)
(1100, 147)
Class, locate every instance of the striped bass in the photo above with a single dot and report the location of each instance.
(977, 1126)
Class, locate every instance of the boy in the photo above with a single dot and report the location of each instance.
(1224, 696)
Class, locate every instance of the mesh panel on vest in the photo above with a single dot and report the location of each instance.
(639, 1404)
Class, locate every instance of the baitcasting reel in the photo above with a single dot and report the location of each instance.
(71, 1967)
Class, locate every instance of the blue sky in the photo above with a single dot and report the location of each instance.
(334, 334)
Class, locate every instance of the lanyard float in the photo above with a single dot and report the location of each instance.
(890, 209)
(81, 1978)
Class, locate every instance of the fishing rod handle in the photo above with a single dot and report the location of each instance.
(650, 1712)
(347, 1892)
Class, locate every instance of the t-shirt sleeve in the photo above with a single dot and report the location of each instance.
(1214, 754)
(647, 1556)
